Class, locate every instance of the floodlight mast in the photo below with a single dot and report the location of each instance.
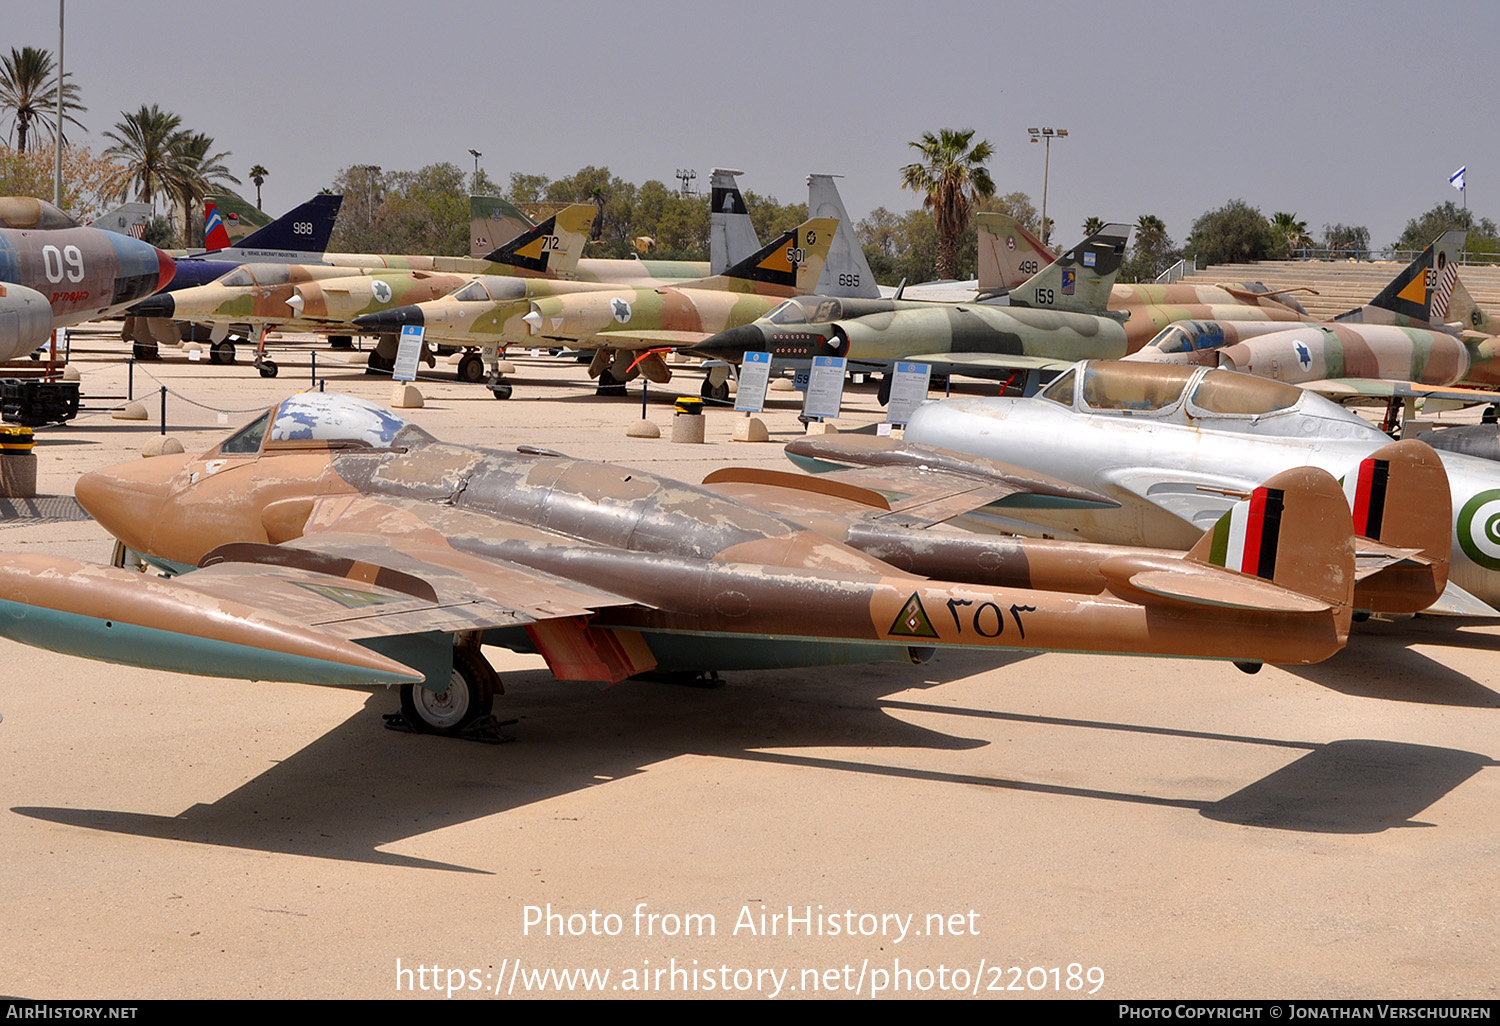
(1047, 135)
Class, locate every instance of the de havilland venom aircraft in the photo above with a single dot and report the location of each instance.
(331, 541)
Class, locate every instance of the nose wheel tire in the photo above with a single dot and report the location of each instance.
(267, 369)
(470, 695)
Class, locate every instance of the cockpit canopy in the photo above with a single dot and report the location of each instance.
(805, 310)
(474, 292)
(37, 214)
(318, 417)
(1155, 387)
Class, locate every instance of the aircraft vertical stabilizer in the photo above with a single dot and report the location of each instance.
(305, 229)
(552, 247)
(794, 261)
(731, 235)
(847, 272)
(1081, 280)
(492, 223)
(1008, 253)
(1421, 293)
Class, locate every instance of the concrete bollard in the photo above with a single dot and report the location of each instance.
(405, 397)
(644, 429)
(130, 411)
(161, 445)
(750, 429)
(821, 427)
(687, 422)
(17, 463)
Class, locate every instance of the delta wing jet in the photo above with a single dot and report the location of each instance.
(331, 541)
(621, 322)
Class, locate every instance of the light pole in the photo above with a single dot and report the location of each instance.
(1038, 135)
(476, 155)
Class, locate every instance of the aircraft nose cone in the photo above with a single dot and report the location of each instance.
(166, 269)
(390, 320)
(731, 345)
(127, 499)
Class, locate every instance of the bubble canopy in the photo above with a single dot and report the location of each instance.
(319, 417)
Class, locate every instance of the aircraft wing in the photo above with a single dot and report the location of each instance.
(992, 361)
(1343, 390)
(1199, 499)
(342, 607)
(627, 339)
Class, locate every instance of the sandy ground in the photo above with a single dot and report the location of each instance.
(1021, 825)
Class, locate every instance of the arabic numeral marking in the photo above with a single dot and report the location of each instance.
(1015, 980)
(551, 244)
(1044, 297)
(997, 978)
(979, 624)
(1431, 278)
(1016, 611)
(73, 257)
(1029, 267)
(953, 605)
(302, 228)
(849, 280)
(795, 255)
(52, 263)
(1075, 976)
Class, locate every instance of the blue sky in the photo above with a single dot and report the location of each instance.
(1353, 113)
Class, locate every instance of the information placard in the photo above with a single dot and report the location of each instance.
(755, 378)
(409, 354)
(825, 387)
(909, 384)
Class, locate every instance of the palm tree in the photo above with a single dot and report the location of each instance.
(28, 89)
(258, 176)
(146, 142)
(1092, 225)
(1287, 228)
(953, 178)
(195, 173)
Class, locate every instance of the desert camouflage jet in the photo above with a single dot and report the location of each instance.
(1394, 347)
(330, 541)
(621, 322)
(54, 272)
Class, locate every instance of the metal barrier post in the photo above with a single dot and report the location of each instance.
(164, 409)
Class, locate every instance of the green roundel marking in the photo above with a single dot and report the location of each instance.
(1479, 529)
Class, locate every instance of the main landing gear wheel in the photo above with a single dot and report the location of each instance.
(471, 368)
(221, 352)
(470, 695)
(267, 368)
(145, 351)
(340, 341)
(500, 389)
(718, 393)
(609, 386)
(378, 364)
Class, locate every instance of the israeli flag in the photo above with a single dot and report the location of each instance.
(1456, 179)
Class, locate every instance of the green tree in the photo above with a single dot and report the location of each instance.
(28, 90)
(1152, 252)
(899, 246)
(951, 177)
(1092, 225)
(1289, 233)
(1421, 231)
(424, 211)
(145, 142)
(1235, 233)
(1343, 238)
(258, 175)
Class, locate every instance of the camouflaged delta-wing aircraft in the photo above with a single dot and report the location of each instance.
(622, 322)
(321, 297)
(1175, 446)
(1396, 347)
(55, 272)
(330, 541)
(981, 339)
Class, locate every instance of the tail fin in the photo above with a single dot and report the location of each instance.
(1008, 253)
(1080, 281)
(793, 263)
(552, 247)
(1293, 531)
(847, 272)
(215, 231)
(492, 223)
(126, 219)
(240, 216)
(306, 229)
(1419, 294)
(1463, 310)
(1403, 515)
(731, 235)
